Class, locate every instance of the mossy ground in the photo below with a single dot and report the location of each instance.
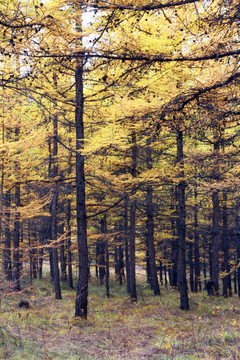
(154, 328)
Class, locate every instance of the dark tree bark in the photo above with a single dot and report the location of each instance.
(69, 244)
(238, 253)
(150, 232)
(81, 305)
(174, 243)
(16, 238)
(227, 288)
(235, 281)
(191, 266)
(126, 243)
(132, 231)
(215, 216)
(161, 272)
(116, 261)
(197, 278)
(16, 231)
(63, 258)
(40, 261)
(121, 264)
(7, 250)
(148, 265)
(181, 228)
(54, 213)
(102, 252)
(133, 289)
(104, 231)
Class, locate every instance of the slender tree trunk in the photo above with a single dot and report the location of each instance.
(126, 243)
(132, 232)
(7, 250)
(56, 276)
(215, 241)
(104, 231)
(63, 259)
(181, 228)
(133, 290)
(235, 281)
(191, 267)
(174, 243)
(16, 230)
(40, 260)
(16, 240)
(197, 279)
(34, 254)
(69, 244)
(121, 264)
(2, 176)
(238, 253)
(81, 306)
(102, 253)
(150, 231)
(227, 288)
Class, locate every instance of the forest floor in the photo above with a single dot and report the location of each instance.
(154, 328)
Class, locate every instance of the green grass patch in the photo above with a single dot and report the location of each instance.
(153, 328)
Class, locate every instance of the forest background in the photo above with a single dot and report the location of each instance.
(120, 145)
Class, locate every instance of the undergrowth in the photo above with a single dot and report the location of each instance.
(153, 328)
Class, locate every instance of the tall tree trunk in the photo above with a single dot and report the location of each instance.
(102, 253)
(69, 244)
(133, 290)
(126, 243)
(238, 252)
(132, 232)
(197, 279)
(2, 176)
(181, 227)
(7, 250)
(63, 260)
(16, 240)
(191, 267)
(104, 231)
(227, 288)
(121, 264)
(150, 231)
(34, 254)
(215, 217)
(16, 230)
(56, 276)
(40, 260)
(174, 243)
(81, 305)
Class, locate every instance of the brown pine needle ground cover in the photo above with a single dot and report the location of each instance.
(154, 328)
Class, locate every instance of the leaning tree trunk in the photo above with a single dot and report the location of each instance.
(81, 305)
(181, 227)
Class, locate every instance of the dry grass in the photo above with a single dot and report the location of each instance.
(154, 328)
